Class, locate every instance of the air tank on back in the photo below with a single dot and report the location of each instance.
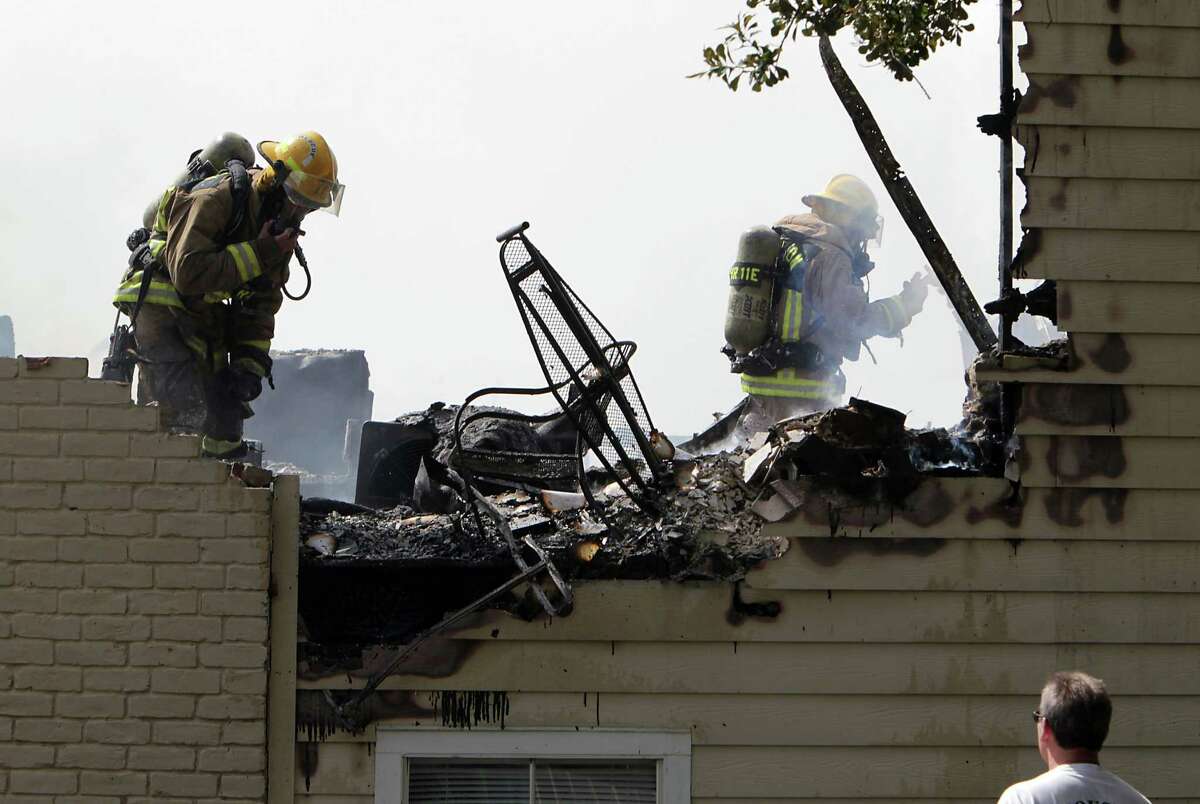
(748, 317)
(225, 147)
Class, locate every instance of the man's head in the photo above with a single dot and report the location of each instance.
(848, 203)
(1073, 718)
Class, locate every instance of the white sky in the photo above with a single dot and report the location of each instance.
(453, 121)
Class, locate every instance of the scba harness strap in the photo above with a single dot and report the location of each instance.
(144, 257)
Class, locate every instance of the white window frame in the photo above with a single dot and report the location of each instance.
(395, 746)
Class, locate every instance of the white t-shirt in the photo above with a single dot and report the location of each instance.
(1081, 783)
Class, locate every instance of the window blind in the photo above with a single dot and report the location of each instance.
(635, 783)
(441, 782)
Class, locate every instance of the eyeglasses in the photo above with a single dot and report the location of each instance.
(1037, 715)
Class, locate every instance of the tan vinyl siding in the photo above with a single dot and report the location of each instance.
(1111, 153)
(1184, 13)
(1111, 462)
(1112, 50)
(1116, 255)
(1129, 307)
(1085, 203)
(929, 688)
(1101, 100)
(616, 611)
(1111, 410)
(1121, 359)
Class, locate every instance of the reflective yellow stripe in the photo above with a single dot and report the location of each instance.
(247, 261)
(251, 259)
(793, 255)
(784, 328)
(159, 292)
(789, 393)
(793, 315)
(782, 379)
(786, 383)
(160, 218)
(243, 271)
(793, 311)
(217, 447)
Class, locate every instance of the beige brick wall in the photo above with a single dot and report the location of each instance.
(133, 602)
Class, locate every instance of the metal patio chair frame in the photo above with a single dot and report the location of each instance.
(589, 379)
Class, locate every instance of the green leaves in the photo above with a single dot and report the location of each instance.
(900, 34)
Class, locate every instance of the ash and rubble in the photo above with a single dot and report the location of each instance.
(704, 530)
(708, 522)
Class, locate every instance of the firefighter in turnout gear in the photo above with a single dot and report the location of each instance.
(206, 280)
(820, 313)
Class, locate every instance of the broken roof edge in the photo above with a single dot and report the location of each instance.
(1054, 359)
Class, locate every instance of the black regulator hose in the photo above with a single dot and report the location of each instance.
(300, 258)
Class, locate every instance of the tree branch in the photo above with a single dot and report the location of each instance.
(907, 201)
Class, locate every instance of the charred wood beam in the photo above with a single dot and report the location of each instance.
(906, 200)
(1006, 166)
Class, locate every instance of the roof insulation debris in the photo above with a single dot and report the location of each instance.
(709, 525)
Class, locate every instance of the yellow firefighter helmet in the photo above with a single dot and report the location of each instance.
(847, 200)
(309, 170)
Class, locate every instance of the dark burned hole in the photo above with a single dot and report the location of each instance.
(354, 605)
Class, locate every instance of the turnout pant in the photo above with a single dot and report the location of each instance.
(764, 412)
(188, 389)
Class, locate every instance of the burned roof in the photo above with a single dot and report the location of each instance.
(371, 578)
(708, 522)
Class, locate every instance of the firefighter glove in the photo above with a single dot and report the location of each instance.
(912, 295)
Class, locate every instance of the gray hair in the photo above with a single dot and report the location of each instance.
(1077, 709)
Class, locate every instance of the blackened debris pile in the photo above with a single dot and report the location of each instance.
(488, 433)
(862, 454)
(398, 535)
(709, 526)
(706, 530)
